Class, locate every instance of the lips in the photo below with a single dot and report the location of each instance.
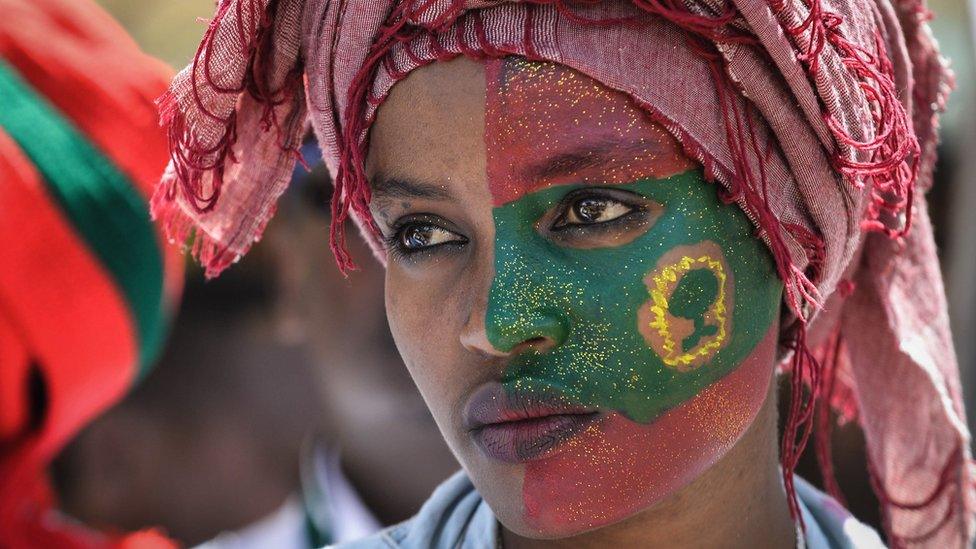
(517, 426)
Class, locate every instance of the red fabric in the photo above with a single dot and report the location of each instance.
(60, 311)
(817, 116)
(78, 57)
(58, 327)
(14, 414)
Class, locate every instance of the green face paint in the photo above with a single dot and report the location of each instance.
(692, 298)
(589, 300)
(660, 317)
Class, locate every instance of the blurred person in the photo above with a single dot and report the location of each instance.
(208, 446)
(210, 441)
(87, 283)
(594, 328)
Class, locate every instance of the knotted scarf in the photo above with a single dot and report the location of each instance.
(817, 117)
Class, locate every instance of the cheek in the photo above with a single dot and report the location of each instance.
(619, 467)
(424, 323)
(674, 335)
(687, 319)
(414, 330)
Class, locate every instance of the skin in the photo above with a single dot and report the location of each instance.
(545, 235)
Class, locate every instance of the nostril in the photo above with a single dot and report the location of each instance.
(476, 340)
(539, 344)
(513, 331)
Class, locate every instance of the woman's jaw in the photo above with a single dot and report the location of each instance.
(591, 327)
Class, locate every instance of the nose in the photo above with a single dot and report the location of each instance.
(514, 328)
(520, 313)
(507, 333)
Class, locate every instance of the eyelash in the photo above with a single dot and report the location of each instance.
(397, 251)
(394, 251)
(610, 195)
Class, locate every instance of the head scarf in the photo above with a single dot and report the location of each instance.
(817, 117)
(87, 284)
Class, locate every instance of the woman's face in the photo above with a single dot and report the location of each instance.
(590, 325)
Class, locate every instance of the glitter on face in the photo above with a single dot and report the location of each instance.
(618, 467)
(585, 132)
(595, 305)
(645, 326)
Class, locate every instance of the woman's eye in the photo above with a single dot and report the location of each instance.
(590, 218)
(592, 210)
(417, 237)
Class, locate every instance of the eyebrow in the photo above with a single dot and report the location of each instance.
(583, 157)
(387, 188)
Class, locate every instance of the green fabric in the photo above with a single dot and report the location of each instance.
(99, 201)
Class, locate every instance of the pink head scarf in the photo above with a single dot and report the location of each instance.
(817, 117)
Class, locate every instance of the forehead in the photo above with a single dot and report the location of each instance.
(431, 127)
(547, 124)
(518, 126)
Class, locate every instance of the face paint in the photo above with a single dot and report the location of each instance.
(657, 327)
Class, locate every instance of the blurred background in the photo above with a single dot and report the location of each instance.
(280, 414)
(211, 451)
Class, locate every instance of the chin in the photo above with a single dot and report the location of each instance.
(617, 468)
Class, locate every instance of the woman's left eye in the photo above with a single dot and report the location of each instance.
(592, 210)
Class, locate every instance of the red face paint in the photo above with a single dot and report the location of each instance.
(541, 115)
(619, 467)
(668, 420)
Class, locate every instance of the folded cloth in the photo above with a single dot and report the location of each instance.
(87, 283)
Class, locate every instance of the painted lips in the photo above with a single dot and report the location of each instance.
(519, 426)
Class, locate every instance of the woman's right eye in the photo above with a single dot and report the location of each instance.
(416, 237)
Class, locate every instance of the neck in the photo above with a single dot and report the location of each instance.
(739, 502)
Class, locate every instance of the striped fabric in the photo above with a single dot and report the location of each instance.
(87, 283)
(99, 202)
